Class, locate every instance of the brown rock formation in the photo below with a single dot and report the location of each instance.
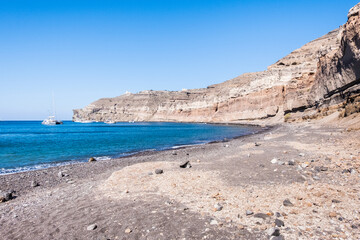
(339, 71)
(322, 73)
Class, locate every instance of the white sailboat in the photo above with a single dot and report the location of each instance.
(51, 120)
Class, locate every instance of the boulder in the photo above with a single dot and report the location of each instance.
(185, 164)
(6, 196)
(34, 184)
(273, 232)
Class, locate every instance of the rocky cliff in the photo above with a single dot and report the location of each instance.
(317, 79)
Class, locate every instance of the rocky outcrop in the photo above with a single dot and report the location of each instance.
(339, 71)
(320, 74)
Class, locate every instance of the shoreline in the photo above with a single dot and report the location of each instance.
(135, 153)
(73, 168)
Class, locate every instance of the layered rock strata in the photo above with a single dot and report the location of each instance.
(321, 74)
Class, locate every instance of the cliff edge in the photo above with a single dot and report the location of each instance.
(319, 79)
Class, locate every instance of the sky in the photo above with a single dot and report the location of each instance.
(83, 50)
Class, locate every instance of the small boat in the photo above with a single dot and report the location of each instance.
(109, 121)
(51, 121)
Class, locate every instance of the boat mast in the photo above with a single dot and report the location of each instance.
(53, 103)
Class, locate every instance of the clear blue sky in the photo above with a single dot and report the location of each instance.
(85, 50)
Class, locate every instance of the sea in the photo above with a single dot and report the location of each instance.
(29, 145)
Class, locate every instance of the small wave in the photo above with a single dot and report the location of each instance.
(5, 171)
(103, 158)
(188, 145)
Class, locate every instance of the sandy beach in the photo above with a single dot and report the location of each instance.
(299, 180)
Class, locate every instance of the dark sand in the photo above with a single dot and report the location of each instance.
(119, 195)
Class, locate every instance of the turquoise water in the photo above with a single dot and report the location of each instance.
(28, 145)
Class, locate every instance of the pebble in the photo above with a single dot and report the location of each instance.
(279, 223)
(287, 203)
(281, 163)
(304, 165)
(323, 169)
(332, 214)
(150, 173)
(257, 144)
(185, 164)
(240, 226)
(34, 184)
(213, 222)
(92, 159)
(128, 230)
(277, 238)
(302, 154)
(218, 207)
(273, 232)
(60, 174)
(335, 201)
(261, 215)
(316, 178)
(91, 227)
(248, 212)
(159, 171)
(274, 160)
(270, 213)
(291, 162)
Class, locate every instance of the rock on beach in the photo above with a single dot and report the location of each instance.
(159, 171)
(91, 227)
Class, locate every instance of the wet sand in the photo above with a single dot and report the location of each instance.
(125, 201)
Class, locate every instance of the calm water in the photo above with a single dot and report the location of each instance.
(28, 145)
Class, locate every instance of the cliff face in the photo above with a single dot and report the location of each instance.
(322, 73)
(339, 71)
